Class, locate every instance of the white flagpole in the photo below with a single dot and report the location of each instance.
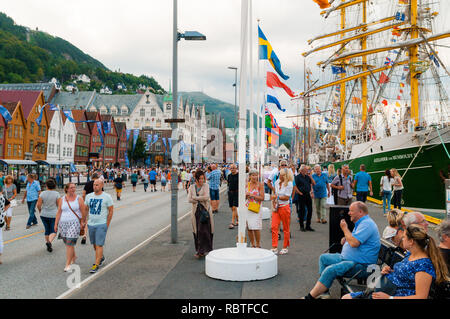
(258, 106)
(242, 211)
(251, 106)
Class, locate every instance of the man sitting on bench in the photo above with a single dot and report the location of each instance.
(360, 249)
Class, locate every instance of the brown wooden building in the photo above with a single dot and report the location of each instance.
(82, 139)
(15, 132)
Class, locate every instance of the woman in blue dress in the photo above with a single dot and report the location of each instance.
(414, 275)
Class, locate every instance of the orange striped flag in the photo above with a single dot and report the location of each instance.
(323, 3)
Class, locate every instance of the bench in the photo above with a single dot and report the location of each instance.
(388, 255)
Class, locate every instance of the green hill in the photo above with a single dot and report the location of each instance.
(28, 56)
(227, 111)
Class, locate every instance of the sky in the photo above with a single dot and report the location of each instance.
(136, 37)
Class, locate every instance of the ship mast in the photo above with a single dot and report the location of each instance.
(364, 68)
(342, 88)
(413, 56)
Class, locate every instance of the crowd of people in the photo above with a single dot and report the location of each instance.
(72, 216)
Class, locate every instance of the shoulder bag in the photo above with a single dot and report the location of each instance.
(253, 206)
(204, 214)
(79, 219)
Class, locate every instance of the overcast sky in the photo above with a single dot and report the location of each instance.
(135, 36)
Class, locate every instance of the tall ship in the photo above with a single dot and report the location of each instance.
(376, 94)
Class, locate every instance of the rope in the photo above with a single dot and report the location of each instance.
(442, 141)
(417, 153)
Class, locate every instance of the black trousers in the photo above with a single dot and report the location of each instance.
(304, 203)
(397, 199)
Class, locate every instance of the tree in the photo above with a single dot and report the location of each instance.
(139, 150)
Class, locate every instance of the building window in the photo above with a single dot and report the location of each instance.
(43, 131)
(169, 106)
(31, 146)
(158, 123)
(57, 149)
(142, 112)
(20, 150)
(64, 151)
(15, 150)
(20, 131)
(158, 147)
(10, 132)
(9, 149)
(32, 127)
(153, 112)
(124, 110)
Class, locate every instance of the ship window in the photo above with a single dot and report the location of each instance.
(371, 150)
(381, 147)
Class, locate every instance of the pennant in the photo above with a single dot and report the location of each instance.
(323, 3)
(266, 53)
(165, 144)
(6, 115)
(383, 78)
(106, 127)
(273, 81)
(100, 133)
(149, 141)
(402, 84)
(356, 100)
(135, 136)
(397, 104)
(337, 69)
(434, 59)
(155, 138)
(170, 144)
(384, 102)
(273, 99)
(389, 61)
(52, 107)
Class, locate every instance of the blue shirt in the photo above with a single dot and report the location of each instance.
(320, 189)
(366, 232)
(33, 190)
(362, 181)
(214, 179)
(152, 175)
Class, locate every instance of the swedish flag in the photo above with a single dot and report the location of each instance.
(266, 53)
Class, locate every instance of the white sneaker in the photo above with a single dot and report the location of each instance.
(274, 250)
(284, 251)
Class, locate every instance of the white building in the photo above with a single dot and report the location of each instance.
(284, 152)
(84, 78)
(61, 138)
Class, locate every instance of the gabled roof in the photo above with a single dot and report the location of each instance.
(11, 107)
(120, 127)
(47, 88)
(28, 99)
(69, 100)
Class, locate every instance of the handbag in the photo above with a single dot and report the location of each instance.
(204, 214)
(79, 219)
(253, 206)
(13, 203)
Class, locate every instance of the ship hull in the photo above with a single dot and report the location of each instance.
(423, 185)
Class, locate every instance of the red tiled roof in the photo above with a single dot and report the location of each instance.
(28, 99)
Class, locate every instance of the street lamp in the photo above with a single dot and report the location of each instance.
(235, 106)
(177, 36)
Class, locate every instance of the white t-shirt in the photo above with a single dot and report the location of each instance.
(387, 183)
(398, 179)
(282, 190)
(273, 174)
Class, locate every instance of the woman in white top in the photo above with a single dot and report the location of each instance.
(282, 211)
(386, 183)
(70, 218)
(10, 192)
(398, 189)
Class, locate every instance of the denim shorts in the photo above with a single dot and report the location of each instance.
(49, 225)
(214, 194)
(97, 234)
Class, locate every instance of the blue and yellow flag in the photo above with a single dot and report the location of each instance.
(266, 53)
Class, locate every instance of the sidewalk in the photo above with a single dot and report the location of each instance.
(162, 270)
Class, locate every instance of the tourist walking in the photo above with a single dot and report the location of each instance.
(342, 183)
(398, 189)
(281, 209)
(4, 205)
(214, 186)
(201, 216)
(10, 192)
(32, 192)
(321, 190)
(145, 180)
(163, 181)
(362, 183)
(233, 195)
(70, 219)
(119, 184)
(302, 188)
(152, 177)
(88, 188)
(47, 206)
(254, 195)
(386, 183)
(134, 180)
(101, 209)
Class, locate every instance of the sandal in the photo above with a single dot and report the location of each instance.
(197, 256)
(324, 221)
(231, 226)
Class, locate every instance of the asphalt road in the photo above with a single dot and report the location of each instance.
(29, 271)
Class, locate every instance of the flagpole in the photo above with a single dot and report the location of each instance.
(251, 107)
(258, 105)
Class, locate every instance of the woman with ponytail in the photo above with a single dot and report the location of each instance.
(422, 265)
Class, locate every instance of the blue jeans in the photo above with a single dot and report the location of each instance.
(32, 220)
(386, 200)
(332, 266)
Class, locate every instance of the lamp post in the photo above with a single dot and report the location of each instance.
(189, 36)
(235, 107)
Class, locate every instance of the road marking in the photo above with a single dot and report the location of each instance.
(26, 236)
(69, 292)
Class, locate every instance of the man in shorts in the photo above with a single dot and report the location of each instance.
(152, 176)
(100, 205)
(214, 186)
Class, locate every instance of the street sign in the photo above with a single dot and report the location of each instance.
(174, 120)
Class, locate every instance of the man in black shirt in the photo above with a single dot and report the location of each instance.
(233, 194)
(302, 189)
